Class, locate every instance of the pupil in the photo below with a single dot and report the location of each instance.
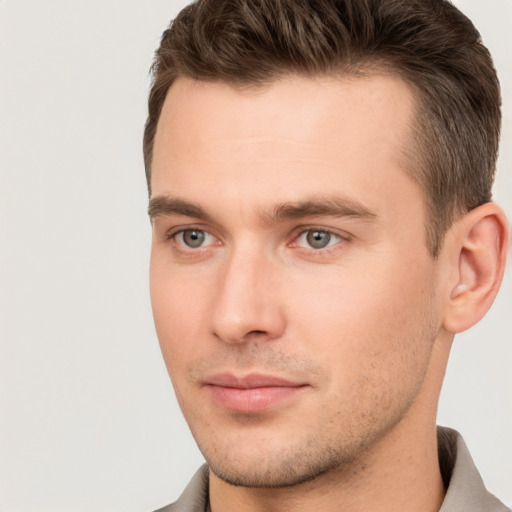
(318, 239)
(193, 238)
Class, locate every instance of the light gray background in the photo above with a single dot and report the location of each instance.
(88, 418)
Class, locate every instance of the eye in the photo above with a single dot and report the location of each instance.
(317, 239)
(194, 238)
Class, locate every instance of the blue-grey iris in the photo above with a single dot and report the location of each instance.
(318, 239)
(193, 238)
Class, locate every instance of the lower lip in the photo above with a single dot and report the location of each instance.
(252, 400)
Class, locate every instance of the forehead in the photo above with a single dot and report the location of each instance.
(296, 133)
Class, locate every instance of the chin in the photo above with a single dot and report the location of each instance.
(276, 477)
(275, 467)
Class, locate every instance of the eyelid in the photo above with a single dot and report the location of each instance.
(173, 232)
(302, 230)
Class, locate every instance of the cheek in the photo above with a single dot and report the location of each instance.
(366, 325)
(179, 315)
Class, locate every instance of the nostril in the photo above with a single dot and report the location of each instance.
(255, 332)
(254, 335)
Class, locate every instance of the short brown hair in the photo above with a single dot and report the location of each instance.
(428, 43)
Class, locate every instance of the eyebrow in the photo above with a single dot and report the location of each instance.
(164, 205)
(331, 206)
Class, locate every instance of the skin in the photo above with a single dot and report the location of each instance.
(360, 324)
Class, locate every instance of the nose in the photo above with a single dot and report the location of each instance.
(247, 305)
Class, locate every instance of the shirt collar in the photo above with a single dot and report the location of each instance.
(466, 491)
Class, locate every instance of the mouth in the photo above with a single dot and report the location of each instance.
(251, 393)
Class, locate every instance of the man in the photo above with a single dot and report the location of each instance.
(320, 192)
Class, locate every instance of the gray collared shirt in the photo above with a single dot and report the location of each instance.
(466, 491)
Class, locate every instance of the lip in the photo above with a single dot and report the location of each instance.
(251, 393)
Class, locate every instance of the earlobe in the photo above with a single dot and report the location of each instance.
(481, 245)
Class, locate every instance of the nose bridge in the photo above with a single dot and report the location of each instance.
(247, 302)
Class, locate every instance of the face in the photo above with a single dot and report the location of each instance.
(293, 294)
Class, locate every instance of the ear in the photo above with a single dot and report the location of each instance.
(478, 253)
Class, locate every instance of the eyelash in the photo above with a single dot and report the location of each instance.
(311, 229)
(171, 236)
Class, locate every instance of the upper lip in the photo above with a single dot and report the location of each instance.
(252, 380)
